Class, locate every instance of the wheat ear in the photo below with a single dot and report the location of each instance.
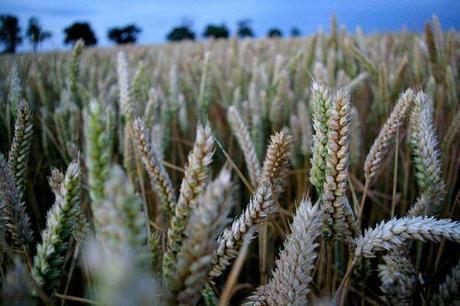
(20, 147)
(119, 221)
(126, 108)
(55, 180)
(118, 280)
(397, 232)
(259, 208)
(13, 209)
(387, 134)
(195, 257)
(276, 163)
(449, 291)
(295, 264)
(60, 225)
(193, 185)
(336, 214)
(274, 172)
(159, 178)
(97, 149)
(240, 130)
(398, 277)
(320, 104)
(426, 155)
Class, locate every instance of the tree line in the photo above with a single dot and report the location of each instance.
(11, 35)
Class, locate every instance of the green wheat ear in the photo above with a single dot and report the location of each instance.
(20, 147)
(61, 223)
(320, 105)
(75, 69)
(427, 157)
(97, 149)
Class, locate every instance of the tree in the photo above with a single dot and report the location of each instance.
(10, 33)
(80, 30)
(274, 33)
(182, 32)
(244, 29)
(216, 31)
(295, 32)
(124, 35)
(36, 34)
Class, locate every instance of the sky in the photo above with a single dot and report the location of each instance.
(157, 18)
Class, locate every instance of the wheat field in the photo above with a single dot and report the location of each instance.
(321, 170)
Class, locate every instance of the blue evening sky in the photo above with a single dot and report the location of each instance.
(156, 18)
